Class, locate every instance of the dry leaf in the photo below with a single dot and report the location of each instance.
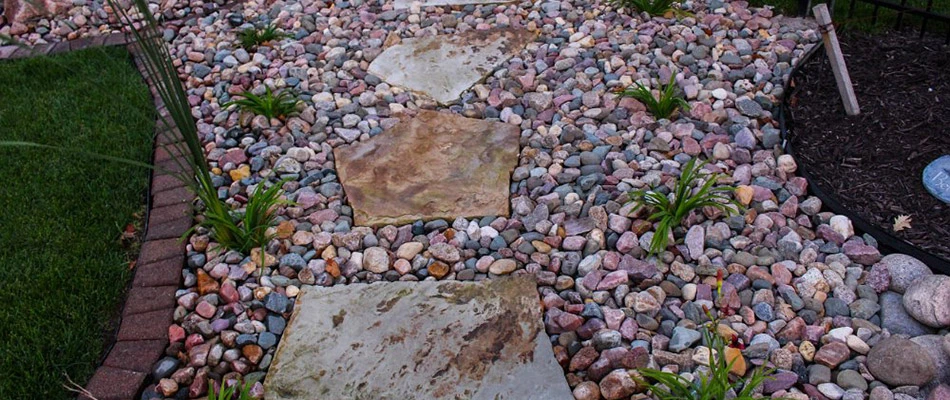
(902, 222)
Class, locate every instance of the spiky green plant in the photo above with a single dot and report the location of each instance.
(670, 213)
(714, 385)
(228, 392)
(662, 107)
(252, 37)
(247, 229)
(270, 105)
(652, 7)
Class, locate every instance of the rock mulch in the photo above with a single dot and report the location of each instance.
(810, 297)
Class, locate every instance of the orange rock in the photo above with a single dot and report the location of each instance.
(285, 229)
(206, 284)
(253, 352)
(438, 269)
(739, 366)
(744, 194)
(333, 268)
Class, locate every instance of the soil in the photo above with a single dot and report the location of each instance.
(872, 163)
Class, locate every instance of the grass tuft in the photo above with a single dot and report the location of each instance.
(253, 37)
(270, 105)
(663, 107)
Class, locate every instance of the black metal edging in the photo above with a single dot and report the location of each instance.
(885, 239)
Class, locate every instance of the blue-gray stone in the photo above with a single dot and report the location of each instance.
(245, 338)
(201, 70)
(937, 178)
(267, 340)
(276, 302)
(275, 323)
(683, 338)
(165, 367)
(293, 260)
(763, 311)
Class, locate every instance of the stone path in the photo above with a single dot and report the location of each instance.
(433, 166)
(444, 66)
(425, 340)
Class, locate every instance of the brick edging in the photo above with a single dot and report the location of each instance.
(150, 302)
(142, 335)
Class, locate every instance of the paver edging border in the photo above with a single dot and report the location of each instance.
(142, 335)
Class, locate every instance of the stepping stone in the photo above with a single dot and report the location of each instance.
(403, 4)
(417, 340)
(444, 66)
(433, 166)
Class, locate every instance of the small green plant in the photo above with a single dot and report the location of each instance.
(714, 385)
(270, 105)
(671, 213)
(253, 37)
(229, 392)
(661, 108)
(245, 230)
(652, 7)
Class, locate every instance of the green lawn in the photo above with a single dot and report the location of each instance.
(64, 270)
(863, 17)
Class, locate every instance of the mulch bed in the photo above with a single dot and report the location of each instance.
(872, 163)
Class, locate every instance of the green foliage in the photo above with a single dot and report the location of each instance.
(228, 392)
(662, 108)
(671, 213)
(245, 230)
(61, 216)
(253, 37)
(652, 7)
(714, 385)
(283, 104)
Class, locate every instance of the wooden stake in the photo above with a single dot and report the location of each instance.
(837, 59)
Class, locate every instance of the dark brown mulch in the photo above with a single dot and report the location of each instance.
(872, 163)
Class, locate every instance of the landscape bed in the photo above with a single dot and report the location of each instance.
(62, 214)
(872, 164)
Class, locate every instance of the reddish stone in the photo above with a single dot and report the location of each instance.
(617, 385)
(175, 333)
(792, 331)
(861, 253)
(599, 369)
(144, 299)
(199, 387)
(628, 329)
(569, 322)
(583, 359)
(612, 280)
(136, 356)
(229, 294)
(253, 353)
(110, 383)
(832, 354)
(560, 354)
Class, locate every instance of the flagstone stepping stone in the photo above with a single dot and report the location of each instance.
(404, 4)
(433, 166)
(444, 66)
(417, 340)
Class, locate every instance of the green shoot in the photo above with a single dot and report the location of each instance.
(662, 108)
(671, 213)
(283, 104)
(245, 230)
(227, 392)
(253, 37)
(652, 7)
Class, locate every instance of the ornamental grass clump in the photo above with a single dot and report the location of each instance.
(663, 107)
(234, 391)
(685, 198)
(652, 7)
(270, 105)
(253, 37)
(247, 229)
